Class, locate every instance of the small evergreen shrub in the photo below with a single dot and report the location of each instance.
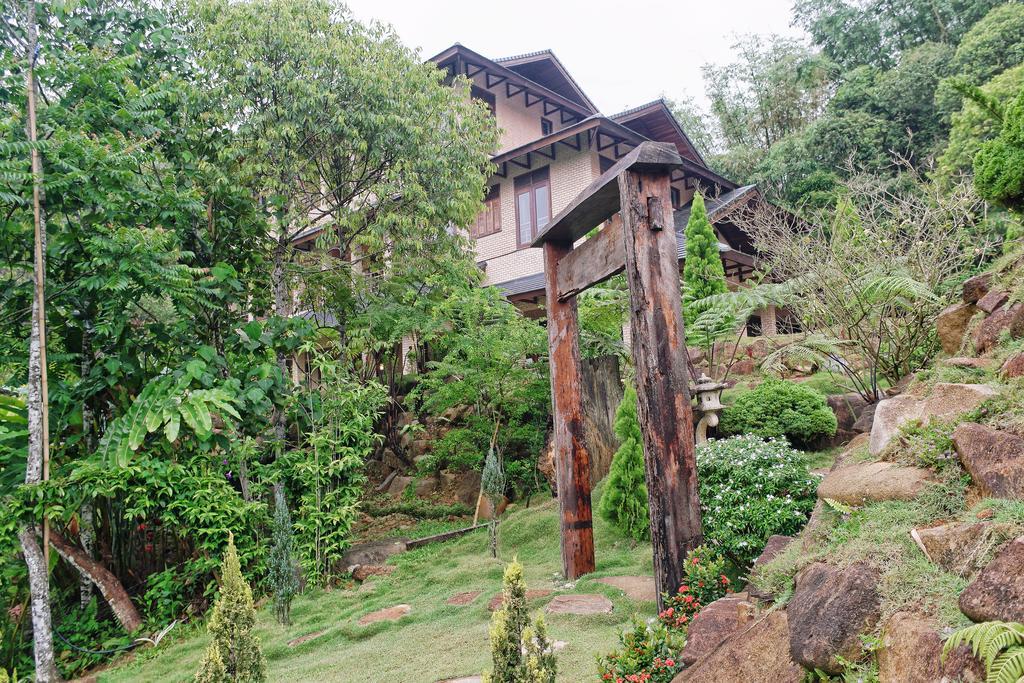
(779, 408)
(704, 582)
(750, 489)
(624, 501)
(235, 654)
(283, 579)
(703, 271)
(648, 653)
(520, 653)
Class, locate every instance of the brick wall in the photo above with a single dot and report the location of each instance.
(518, 123)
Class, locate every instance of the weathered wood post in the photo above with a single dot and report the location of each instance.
(659, 354)
(642, 241)
(572, 460)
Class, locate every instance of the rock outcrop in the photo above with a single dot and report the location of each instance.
(758, 653)
(858, 483)
(714, 624)
(912, 652)
(994, 459)
(829, 610)
(1009, 319)
(951, 326)
(945, 400)
(957, 548)
(998, 591)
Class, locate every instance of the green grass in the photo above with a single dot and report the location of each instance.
(435, 641)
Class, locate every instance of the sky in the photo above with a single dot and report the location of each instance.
(622, 53)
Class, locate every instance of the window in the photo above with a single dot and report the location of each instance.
(533, 205)
(489, 220)
(546, 127)
(484, 96)
(676, 200)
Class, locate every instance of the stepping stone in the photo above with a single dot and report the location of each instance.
(463, 599)
(464, 679)
(295, 642)
(387, 614)
(532, 594)
(640, 588)
(586, 603)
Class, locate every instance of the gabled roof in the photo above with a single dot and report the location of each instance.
(545, 68)
(655, 120)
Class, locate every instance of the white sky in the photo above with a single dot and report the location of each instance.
(622, 54)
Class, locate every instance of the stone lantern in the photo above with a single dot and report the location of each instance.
(709, 403)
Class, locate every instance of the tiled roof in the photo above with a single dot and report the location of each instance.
(634, 110)
(525, 55)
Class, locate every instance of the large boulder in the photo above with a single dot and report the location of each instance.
(997, 594)
(945, 400)
(993, 301)
(912, 652)
(957, 548)
(1009, 319)
(828, 612)
(1013, 367)
(994, 459)
(951, 326)
(713, 624)
(974, 288)
(861, 482)
(847, 408)
(757, 653)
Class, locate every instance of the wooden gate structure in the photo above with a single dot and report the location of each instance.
(634, 196)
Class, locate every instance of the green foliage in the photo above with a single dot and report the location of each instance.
(282, 579)
(993, 45)
(750, 489)
(704, 581)
(624, 501)
(925, 444)
(703, 272)
(998, 644)
(520, 654)
(648, 653)
(234, 653)
(777, 408)
(999, 163)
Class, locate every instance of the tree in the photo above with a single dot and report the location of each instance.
(999, 164)
(703, 272)
(282, 566)
(624, 500)
(235, 649)
(520, 654)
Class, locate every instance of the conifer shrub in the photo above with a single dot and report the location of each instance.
(234, 653)
(624, 501)
(778, 408)
(283, 579)
(703, 272)
(751, 489)
(519, 653)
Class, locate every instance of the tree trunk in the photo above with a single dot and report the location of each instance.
(86, 530)
(110, 587)
(36, 465)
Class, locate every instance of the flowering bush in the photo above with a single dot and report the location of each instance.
(750, 489)
(704, 582)
(648, 655)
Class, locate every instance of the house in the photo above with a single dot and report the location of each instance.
(554, 143)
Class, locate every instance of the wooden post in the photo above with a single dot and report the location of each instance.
(572, 461)
(659, 353)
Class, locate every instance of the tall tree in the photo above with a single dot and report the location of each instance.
(703, 272)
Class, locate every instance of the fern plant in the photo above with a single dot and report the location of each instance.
(998, 644)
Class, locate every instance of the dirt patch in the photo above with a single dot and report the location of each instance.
(295, 642)
(463, 599)
(640, 588)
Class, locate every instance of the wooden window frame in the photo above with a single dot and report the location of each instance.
(547, 126)
(530, 183)
(677, 198)
(489, 220)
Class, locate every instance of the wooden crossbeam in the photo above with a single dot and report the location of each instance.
(493, 80)
(529, 94)
(553, 108)
(593, 262)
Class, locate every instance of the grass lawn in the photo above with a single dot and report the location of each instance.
(435, 641)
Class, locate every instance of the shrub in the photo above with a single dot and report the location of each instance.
(234, 654)
(704, 582)
(520, 654)
(624, 501)
(750, 489)
(703, 272)
(648, 653)
(780, 408)
(282, 567)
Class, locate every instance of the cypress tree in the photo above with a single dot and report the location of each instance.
(624, 502)
(703, 272)
(282, 567)
(234, 644)
(520, 653)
